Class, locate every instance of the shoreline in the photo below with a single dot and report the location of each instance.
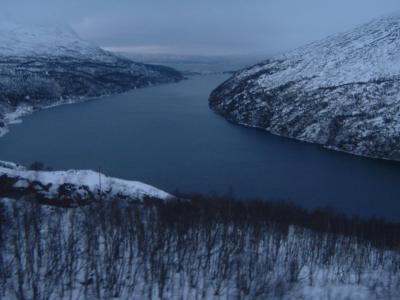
(15, 116)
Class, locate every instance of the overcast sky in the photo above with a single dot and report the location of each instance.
(200, 26)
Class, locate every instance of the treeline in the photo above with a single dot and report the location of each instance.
(205, 248)
(378, 231)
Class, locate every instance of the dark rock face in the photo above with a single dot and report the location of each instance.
(342, 92)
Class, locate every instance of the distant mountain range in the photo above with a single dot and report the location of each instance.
(41, 66)
(342, 92)
(191, 64)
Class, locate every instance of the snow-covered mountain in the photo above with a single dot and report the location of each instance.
(342, 92)
(60, 40)
(70, 188)
(40, 66)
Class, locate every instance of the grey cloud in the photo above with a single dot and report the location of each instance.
(219, 26)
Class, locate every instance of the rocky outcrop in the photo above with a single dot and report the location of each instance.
(70, 188)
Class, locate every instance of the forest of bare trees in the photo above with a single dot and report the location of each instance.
(197, 249)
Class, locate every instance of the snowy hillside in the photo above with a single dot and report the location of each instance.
(69, 188)
(342, 92)
(41, 66)
(189, 250)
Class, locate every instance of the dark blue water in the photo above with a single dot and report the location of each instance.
(167, 136)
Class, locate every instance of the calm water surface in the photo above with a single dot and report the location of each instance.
(167, 136)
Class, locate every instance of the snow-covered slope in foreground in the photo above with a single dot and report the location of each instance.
(342, 92)
(43, 66)
(70, 188)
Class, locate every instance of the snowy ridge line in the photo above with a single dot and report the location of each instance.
(72, 187)
(21, 40)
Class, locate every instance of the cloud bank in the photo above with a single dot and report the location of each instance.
(200, 27)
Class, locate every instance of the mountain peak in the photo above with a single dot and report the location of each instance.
(17, 39)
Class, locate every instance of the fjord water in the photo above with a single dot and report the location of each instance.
(167, 136)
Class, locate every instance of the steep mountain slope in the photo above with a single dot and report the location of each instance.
(342, 92)
(40, 66)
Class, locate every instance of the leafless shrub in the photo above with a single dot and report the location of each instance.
(188, 249)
